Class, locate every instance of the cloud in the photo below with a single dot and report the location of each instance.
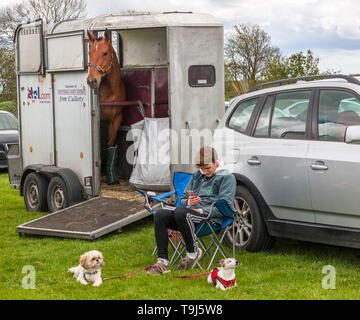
(345, 61)
(330, 26)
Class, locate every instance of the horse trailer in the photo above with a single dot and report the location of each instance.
(172, 65)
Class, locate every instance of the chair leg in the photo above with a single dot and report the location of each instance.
(219, 248)
(154, 251)
(233, 237)
(178, 251)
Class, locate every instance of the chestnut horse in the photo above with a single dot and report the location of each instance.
(105, 75)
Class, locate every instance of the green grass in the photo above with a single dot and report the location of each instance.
(291, 270)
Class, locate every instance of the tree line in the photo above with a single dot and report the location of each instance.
(249, 56)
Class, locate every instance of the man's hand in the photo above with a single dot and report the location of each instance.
(193, 200)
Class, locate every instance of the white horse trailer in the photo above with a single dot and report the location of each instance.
(171, 62)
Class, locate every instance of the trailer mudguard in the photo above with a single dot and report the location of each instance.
(74, 187)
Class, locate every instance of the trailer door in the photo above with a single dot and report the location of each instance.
(196, 86)
(34, 97)
(66, 60)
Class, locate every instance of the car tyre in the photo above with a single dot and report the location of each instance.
(250, 230)
(35, 192)
(57, 194)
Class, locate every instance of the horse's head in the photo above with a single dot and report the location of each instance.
(102, 57)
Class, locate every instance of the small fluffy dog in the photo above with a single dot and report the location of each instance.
(224, 277)
(89, 269)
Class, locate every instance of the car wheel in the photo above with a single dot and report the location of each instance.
(35, 189)
(250, 231)
(57, 194)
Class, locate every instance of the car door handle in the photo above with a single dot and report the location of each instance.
(254, 161)
(319, 166)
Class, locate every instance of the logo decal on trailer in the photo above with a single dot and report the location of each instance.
(35, 94)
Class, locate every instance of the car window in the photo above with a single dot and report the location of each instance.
(8, 122)
(262, 127)
(290, 114)
(338, 109)
(241, 116)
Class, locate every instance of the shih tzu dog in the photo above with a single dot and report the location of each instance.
(89, 269)
(224, 277)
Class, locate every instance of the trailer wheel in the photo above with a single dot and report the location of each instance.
(57, 194)
(35, 189)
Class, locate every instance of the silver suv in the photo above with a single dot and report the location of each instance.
(295, 151)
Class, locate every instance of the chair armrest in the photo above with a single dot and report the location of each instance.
(163, 195)
(224, 208)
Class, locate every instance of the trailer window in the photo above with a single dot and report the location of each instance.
(65, 52)
(30, 57)
(202, 76)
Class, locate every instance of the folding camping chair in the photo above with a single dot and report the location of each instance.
(204, 229)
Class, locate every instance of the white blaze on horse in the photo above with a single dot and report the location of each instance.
(105, 76)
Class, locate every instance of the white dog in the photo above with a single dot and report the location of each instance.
(224, 277)
(89, 269)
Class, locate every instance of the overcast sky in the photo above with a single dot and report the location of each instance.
(330, 28)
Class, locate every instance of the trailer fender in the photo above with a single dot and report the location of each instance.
(74, 187)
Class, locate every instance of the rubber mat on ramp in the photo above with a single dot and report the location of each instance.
(90, 219)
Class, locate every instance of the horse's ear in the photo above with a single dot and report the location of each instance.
(107, 34)
(91, 36)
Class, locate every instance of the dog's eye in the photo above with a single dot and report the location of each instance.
(106, 53)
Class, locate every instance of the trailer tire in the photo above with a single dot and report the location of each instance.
(57, 194)
(35, 192)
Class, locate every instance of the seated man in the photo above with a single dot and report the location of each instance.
(209, 184)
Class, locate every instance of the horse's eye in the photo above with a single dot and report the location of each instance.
(105, 54)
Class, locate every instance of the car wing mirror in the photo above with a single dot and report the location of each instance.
(352, 135)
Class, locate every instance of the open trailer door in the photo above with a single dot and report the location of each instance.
(196, 90)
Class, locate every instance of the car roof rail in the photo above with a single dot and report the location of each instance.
(349, 79)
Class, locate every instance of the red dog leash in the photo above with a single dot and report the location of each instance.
(131, 273)
(194, 275)
(214, 276)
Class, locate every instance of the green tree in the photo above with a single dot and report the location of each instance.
(7, 75)
(296, 65)
(51, 11)
(247, 51)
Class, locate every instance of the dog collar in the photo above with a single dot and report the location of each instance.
(225, 283)
(89, 273)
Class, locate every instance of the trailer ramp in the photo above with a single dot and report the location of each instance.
(89, 220)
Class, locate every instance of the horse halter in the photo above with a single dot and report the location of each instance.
(98, 68)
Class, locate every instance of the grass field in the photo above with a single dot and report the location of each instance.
(291, 270)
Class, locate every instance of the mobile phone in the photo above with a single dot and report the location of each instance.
(191, 193)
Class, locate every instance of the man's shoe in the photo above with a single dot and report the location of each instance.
(159, 268)
(187, 263)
